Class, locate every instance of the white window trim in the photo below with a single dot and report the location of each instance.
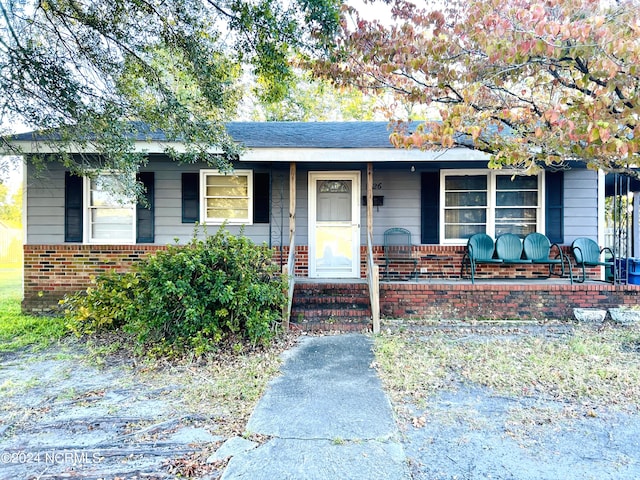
(86, 187)
(203, 201)
(491, 200)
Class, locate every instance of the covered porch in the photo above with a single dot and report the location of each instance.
(434, 288)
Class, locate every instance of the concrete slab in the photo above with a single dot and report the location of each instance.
(328, 415)
(292, 459)
(327, 390)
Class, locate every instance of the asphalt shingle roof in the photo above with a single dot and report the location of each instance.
(284, 134)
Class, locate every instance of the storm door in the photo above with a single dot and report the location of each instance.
(334, 224)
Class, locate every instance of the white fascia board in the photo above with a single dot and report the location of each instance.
(347, 155)
(141, 147)
(291, 154)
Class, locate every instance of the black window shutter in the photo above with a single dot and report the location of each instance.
(430, 207)
(261, 200)
(190, 197)
(73, 211)
(554, 206)
(145, 221)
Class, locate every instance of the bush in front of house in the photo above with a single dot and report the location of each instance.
(188, 297)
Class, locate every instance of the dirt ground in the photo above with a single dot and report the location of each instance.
(66, 416)
(63, 417)
(473, 434)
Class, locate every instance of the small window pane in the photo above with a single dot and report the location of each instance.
(504, 182)
(465, 182)
(463, 231)
(229, 213)
(465, 216)
(516, 214)
(516, 199)
(522, 230)
(466, 199)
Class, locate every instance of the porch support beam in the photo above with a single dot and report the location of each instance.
(292, 201)
(373, 271)
(370, 199)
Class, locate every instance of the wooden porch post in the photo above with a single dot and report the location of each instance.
(373, 274)
(370, 199)
(289, 268)
(292, 200)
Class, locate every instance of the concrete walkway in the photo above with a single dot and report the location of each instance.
(327, 418)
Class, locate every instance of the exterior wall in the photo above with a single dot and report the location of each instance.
(53, 268)
(401, 192)
(400, 189)
(53, 271)
(509, 301)
(581, 207)
(45, 205)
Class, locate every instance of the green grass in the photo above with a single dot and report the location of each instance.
(601, 367)
(17, 330)
(10, 282)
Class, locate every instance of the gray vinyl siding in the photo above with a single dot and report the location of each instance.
(45, 206)
(401, 192)
(580, 204)
(400, 189)
(168, 206)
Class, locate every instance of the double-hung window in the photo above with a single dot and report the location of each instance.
(491, 202)
(226, 197)
(110, 213)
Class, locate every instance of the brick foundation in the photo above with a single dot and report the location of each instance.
(500, 301)
(53, 271)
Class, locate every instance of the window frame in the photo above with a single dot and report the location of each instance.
(87, 234)
(204, 174)
(491, 206)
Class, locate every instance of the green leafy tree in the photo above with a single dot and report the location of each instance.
(89, 74)
(316, 100)
(528, 81)
(11, 206)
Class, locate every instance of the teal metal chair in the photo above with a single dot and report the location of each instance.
(587, 253)
(399, 248)
(537, 248)
(480, 249)
(509, 248)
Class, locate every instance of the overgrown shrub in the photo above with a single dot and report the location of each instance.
(188, 297)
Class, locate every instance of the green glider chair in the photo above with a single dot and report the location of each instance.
(537, 248)
(509, 248)
(587, 253)
(480, 249)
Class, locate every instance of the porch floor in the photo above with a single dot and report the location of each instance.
(463, 281)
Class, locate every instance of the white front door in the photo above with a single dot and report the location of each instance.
(334, 224)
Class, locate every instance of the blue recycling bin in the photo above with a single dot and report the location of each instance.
(629, 268)
(634, 271)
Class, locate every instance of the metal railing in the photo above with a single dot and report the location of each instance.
(373, 279)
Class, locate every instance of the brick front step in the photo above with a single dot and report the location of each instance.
(331, 306)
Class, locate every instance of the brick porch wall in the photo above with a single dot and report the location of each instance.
(444, 262)
(500, 301)
(53, 271)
